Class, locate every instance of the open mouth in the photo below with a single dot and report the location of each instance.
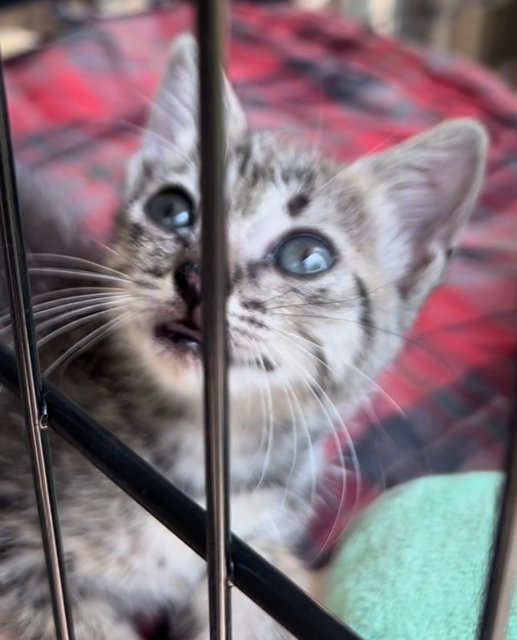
(182, 334)
(186, 338)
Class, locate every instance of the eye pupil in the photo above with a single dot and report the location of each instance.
(171, 208)
(304, 254)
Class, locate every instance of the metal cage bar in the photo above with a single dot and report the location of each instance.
(214, 279)
(501, 578)
(30, 390)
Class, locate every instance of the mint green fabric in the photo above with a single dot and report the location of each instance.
(413, 566)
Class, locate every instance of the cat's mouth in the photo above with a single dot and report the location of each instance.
(185, 338)
(180, 334)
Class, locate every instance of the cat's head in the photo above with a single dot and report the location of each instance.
(328, 263)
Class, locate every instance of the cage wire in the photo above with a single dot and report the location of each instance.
(229, 560)
(214, 277)
(31, 394)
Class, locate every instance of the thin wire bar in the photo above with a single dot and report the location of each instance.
(253, 575)
(503, 571)
(31, 390)
(214, 275)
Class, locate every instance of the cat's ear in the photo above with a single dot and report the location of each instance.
(422, 193)
(174, 114)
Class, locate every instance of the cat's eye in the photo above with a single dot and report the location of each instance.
(171, 208)
(304, 254)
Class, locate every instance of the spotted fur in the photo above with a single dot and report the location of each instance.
(297, 346)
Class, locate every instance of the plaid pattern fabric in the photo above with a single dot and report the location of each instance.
(76, 108)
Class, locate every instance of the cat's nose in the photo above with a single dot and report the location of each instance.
(187, 279)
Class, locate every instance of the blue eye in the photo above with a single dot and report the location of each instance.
(171, 208)
(304, 254)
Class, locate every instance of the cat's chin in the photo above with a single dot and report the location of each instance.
(180, 370)
(172, 353)
(180, 374)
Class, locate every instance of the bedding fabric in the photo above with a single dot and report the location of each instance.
(76, 108)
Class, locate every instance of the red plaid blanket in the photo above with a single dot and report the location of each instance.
(76, 107)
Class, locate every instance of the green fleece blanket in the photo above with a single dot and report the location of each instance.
(413, 567)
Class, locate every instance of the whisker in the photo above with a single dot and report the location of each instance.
(331, 301)
(55, 297)
(45, 309)
(293, 337)
(379, 389)
(318, 134)
(310, 443)
(346, 168)
(390, 399)
(289, 394)
(331, 180)
(74, 301)
(313, 385)
(77, 273)
(124, 258)
(55, 257)
(56, 333)
(103, 294)
(407, 339)
(162, 140)
(88, 341)
(81, 311)
(270, 424)
(55, 294)
(288, 289)
(264, 432)
(288, 390)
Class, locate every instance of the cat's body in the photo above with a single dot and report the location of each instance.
(328, 266)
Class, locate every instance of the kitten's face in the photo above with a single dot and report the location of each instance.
(292, 269)
(327, 264)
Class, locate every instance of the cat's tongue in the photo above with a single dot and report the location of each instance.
(197, 316)
(180, 332)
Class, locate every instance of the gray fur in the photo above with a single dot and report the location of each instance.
(297, 347)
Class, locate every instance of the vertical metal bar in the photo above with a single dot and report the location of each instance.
(214, 287)
(30, 377)
(501, 581)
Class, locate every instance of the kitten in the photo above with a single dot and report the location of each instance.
(328, 266)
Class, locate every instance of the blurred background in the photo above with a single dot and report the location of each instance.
(484, 30)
